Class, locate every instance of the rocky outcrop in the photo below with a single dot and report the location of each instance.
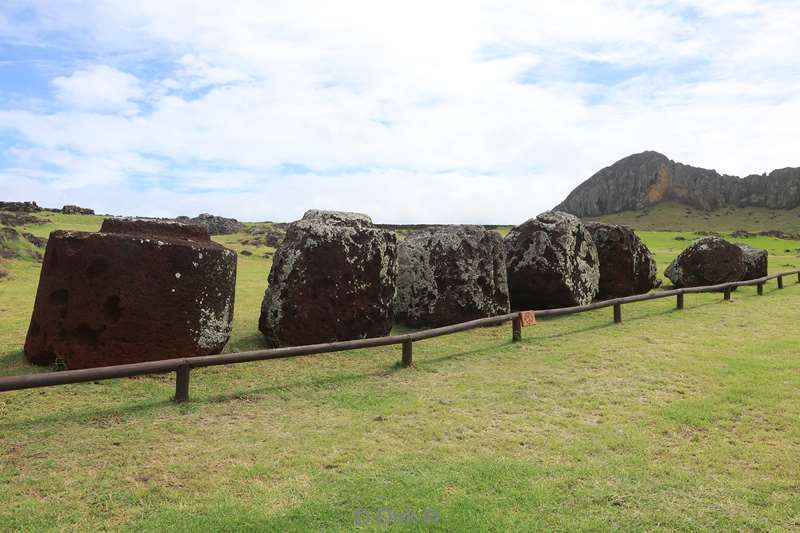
(23, 207)
(707, 261)
(139, 290)
(627, 266)
(39, 242)
(76, 210)
(552, 262)
(216, 225)
(644, 179)
(755, 261)
(451, 275)
(272, 236)
(20, 218)
(333, 278)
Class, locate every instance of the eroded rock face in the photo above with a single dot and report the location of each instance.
(755, 261)
(333, 278)
(627, 266)
(139, 290)
(24, 207)
(707, 261)
(450, 275)
(552, 262)
(648, 178)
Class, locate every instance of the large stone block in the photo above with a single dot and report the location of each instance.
(139, 290)
(333, 278)
(552, 262)
(707, 261)
(627, 266)
(450, 275)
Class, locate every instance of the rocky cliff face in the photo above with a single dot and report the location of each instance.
(648, 178)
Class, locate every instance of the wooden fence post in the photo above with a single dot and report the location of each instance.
(516, 329)
(617, 313)
(679, 305)
(407, 353)
(798, 277)
(780, 282)
(182, 383)
(760, 288)
(727, 294)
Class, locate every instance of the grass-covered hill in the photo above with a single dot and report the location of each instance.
(671, 216)
(672, 420)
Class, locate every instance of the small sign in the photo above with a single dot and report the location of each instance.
(527, 318)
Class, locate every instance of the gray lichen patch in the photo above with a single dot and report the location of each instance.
(449, 275)
(552, 262)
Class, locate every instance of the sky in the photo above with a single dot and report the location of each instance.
(412, 112)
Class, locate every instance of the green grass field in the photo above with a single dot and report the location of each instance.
(673, 420)
(670, 216)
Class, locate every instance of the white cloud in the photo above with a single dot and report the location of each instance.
(413, 111)
(99, 88)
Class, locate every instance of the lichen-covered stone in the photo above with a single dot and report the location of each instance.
(707, 261)
(552, 262)
(450, 275)
(756, 261)
(627, 266)
(216, 225)
(140, 290)
(333, 278)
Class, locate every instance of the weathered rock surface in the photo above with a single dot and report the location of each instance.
(25, 207)
(756, 261)
(139, 290)
(552, 262)
(216, 225)
(76, 210)
(707, 261)
(450, 275)
(627, 266)
(647, 178)
(333, 278)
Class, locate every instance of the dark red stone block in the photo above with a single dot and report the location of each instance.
(141, 290)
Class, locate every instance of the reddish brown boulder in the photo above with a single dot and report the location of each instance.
(627, 266)
(707, 261)
(332, 279)
(139, 290)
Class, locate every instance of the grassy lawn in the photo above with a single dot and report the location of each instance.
(672, 420)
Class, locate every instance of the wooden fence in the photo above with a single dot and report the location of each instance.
(182, 366)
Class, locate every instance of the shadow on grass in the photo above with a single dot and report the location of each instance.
(149, 406)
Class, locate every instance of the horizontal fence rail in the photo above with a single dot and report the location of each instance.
(182, 366)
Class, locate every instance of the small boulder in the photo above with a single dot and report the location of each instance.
(450, 275)
(76, 210)
(332, 279)
(8, 239)
(552, 262)
(707, 261)
(139, 290)
(627, 266)
(755, 261)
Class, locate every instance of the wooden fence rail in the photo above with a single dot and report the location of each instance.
(182, 366)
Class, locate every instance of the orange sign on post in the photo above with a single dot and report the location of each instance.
(528, 318)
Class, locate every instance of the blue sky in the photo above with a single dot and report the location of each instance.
(463, 111)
